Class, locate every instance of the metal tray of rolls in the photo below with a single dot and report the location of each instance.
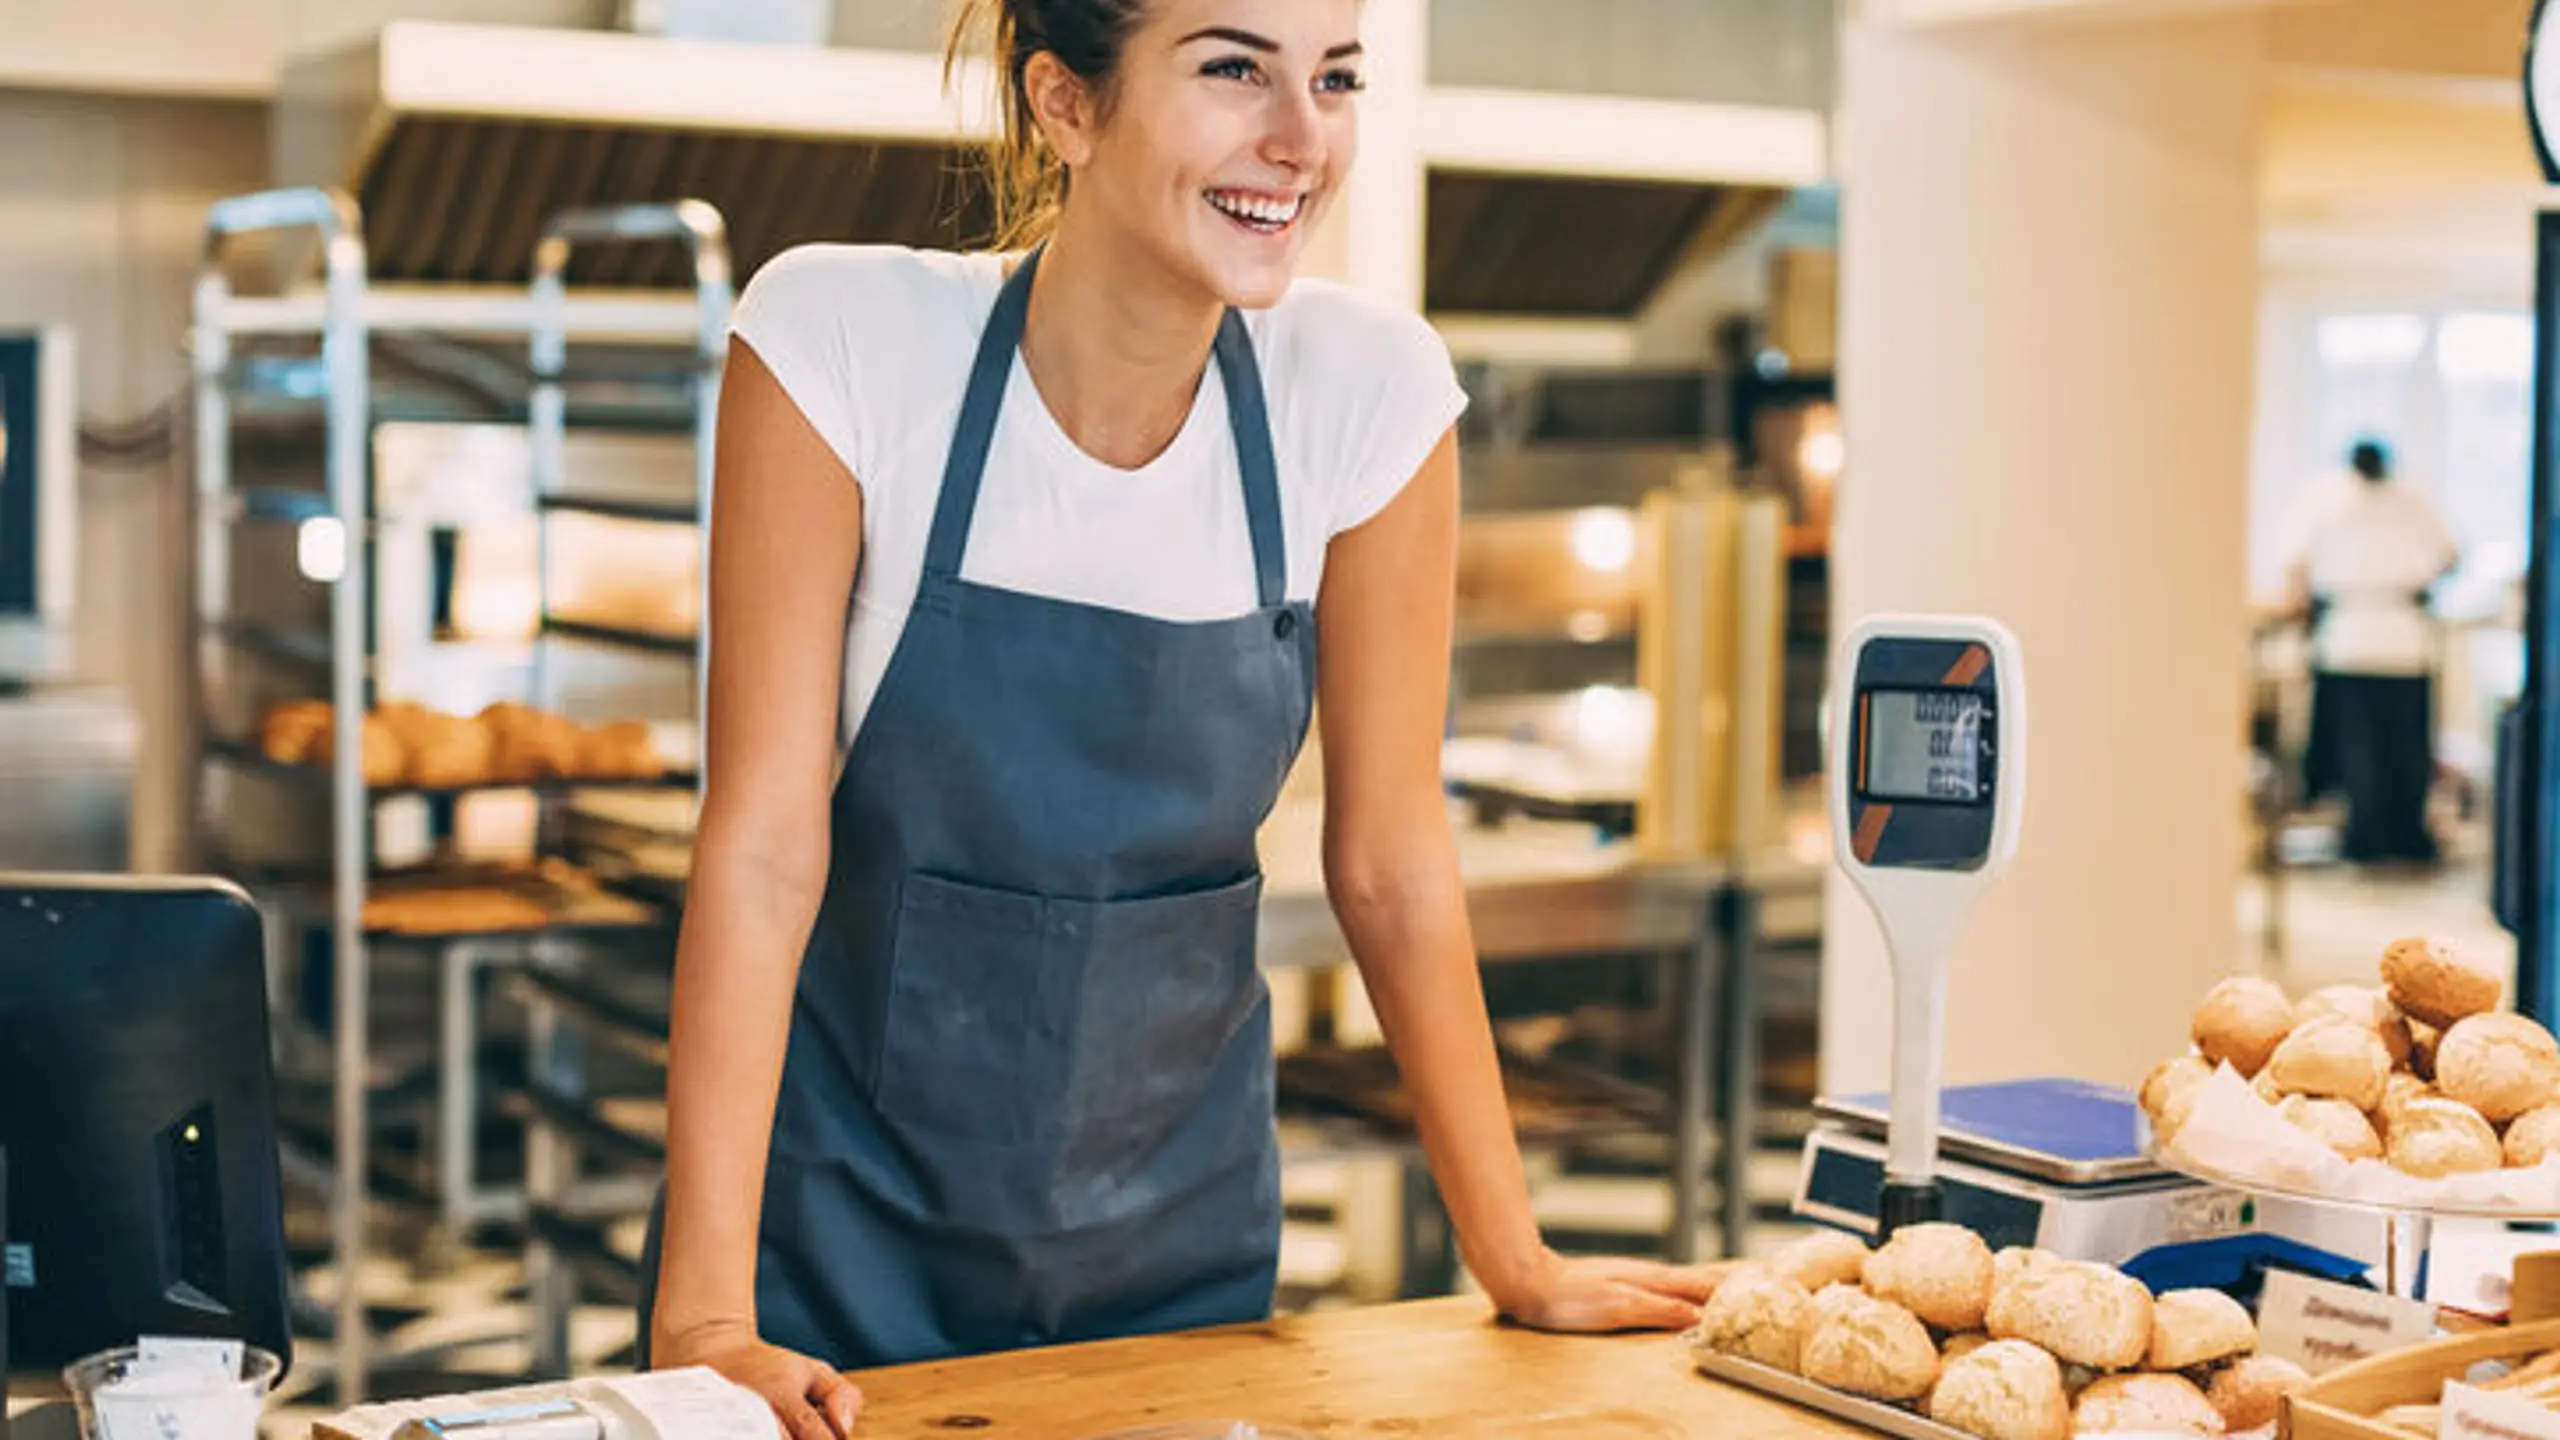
(1876, 1415)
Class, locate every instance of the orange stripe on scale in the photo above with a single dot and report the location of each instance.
(1969, 666)
(1871, 823)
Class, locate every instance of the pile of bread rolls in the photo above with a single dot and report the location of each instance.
(505, 744)
(2022, 1345)
(2424, 1072)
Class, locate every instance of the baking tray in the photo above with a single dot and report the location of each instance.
(1875, 1415)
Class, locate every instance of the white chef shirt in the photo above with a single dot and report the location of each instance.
(873, 343)
(2370, 548)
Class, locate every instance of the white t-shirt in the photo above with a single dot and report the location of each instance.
(873, 343)
(2370, 548)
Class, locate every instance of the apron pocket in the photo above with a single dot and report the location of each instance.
(1170, 983)
(981, 993)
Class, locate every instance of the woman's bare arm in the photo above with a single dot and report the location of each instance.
(786, 536)
(1391, 868)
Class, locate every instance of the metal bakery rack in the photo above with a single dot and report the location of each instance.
(354, 444)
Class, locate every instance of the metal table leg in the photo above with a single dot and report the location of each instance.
(550, 1175)
(458, 1088)
(1694, 1002)
(1430, 1241)
(1738, 923)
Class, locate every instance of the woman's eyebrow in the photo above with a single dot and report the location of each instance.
(1263, 43)
(1229, 33)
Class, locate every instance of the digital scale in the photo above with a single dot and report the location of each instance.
(1928, 782)
(2055, 1164)
(1927, 787)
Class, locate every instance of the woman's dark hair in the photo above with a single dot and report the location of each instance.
(1087, 36)
(2370, 459)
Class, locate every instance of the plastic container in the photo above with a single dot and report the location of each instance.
(117, 1403)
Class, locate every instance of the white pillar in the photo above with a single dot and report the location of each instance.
(2049, 261)
(1378, 221)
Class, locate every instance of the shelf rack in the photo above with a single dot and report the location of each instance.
(327, 505)
(567, 1251)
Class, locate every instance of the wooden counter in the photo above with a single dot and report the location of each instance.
(1427, 1369)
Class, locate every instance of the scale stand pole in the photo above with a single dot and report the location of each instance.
(1921, 953)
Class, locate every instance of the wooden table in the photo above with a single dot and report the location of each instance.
(1431, 1368)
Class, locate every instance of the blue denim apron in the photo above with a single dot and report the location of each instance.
(1028, 1095)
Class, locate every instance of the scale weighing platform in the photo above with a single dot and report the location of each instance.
(2056, 1164)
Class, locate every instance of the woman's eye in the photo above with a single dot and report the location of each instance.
(1234, 67)
(1341, 82)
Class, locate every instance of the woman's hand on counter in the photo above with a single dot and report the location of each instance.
(1601, 1293)
(811, 1398)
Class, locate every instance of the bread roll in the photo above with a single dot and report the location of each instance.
(2002, 1390)
(2266, 1088)
(2532, 1136)
(1833, 1301)
(2198, 1327)
(1959, 1346)
(2423, 1040)
(446, 751)
(1941, 1273)
(511, 756)
(2334, 1059)
(2432, 980)
(528, 744)
(2015, 1262)
(2168, 1078)
(1825, 1257)
(2398, 1091)
(619, 751)
(2365, 1005)
(2087, 1314)
(2247, 1390)
(1758, 1314)
(2434, 1138)
(384, 760)
(2173, 1116)
(2241, 1022)
(2334, 1123)
(1874, 1348)
(2500, 1065)
(2145, 1405)
(291, 732)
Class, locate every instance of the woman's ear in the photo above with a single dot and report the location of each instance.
(1062, 105)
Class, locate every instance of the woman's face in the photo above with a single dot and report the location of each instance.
(1230, 128)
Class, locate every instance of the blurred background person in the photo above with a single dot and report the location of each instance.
(2364, 551)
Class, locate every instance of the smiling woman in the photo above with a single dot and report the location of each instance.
(1021, 564)
(1251, 117)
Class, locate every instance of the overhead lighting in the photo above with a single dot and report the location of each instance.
(1822, 454)
(1604, 539)
(320, 549)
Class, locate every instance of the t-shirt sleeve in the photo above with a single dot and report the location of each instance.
(793, 316)
(1403, 396)
(2299, 528)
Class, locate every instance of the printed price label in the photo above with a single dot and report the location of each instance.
(2470, 1414)
(2321, 1326)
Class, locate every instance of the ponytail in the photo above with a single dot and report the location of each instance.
(1087, 36)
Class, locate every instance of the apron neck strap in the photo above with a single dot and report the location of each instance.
(1248, 418)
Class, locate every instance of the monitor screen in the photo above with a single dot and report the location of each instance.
(1925, 745)
(145, 1193)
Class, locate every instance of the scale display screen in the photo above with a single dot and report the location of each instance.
(1926, 745)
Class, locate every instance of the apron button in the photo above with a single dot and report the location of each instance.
(1285, 624)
